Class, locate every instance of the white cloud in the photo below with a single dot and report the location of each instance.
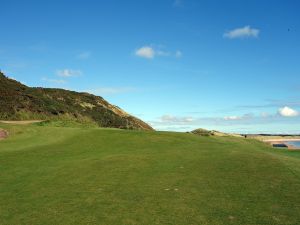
(288, 112)
(243, 117)
(56, 81)
(175, 119)
(110, 90)
(84, 55)
(151, 52)
(232, 118)
(145, 52)
(68, 73)
(265, 115)
(243, 32)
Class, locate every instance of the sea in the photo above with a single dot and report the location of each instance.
(294, 143)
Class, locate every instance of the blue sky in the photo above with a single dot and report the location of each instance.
(225, 65)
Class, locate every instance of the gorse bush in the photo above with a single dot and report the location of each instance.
(19, 102)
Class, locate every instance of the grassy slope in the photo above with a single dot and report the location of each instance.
(66, 176)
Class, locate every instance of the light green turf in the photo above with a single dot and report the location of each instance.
(53, 175)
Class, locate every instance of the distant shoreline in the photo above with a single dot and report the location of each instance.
(284, 141)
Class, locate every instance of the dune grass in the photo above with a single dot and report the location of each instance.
(53, 175)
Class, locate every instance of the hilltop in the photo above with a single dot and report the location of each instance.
(20, 102)
(204, 132)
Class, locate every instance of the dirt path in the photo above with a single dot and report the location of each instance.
(3, 134)
(21, 121)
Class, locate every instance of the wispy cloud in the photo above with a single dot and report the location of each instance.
(39, 47)
(244, 32)
(171, 119)
(110, 90)
(166, 122)
(84, 55)
(288, 112)
(175, 119)
(178, 3)
(16, 65)
(273, 103)
(150, 52)
(242, 117)
(56, 81)
(178, 54)
(68, 73)
(162, 53)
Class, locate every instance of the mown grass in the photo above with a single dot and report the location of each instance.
(53, 175)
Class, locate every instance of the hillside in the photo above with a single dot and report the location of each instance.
(51, 175)
(19, 102)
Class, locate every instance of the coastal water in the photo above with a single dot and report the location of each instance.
(294, 143)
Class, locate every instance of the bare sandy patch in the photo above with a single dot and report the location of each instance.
(3, 134)
(20, 121)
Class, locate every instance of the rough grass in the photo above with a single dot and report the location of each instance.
(53, 175)
(19, 102)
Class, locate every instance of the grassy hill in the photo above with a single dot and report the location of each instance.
(19, 102)
(204, 132)
(51, 175)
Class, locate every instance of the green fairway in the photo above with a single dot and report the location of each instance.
(61, 175)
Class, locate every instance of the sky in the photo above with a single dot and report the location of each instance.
(231, 65)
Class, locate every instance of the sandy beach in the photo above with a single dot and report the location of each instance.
(284, 141)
